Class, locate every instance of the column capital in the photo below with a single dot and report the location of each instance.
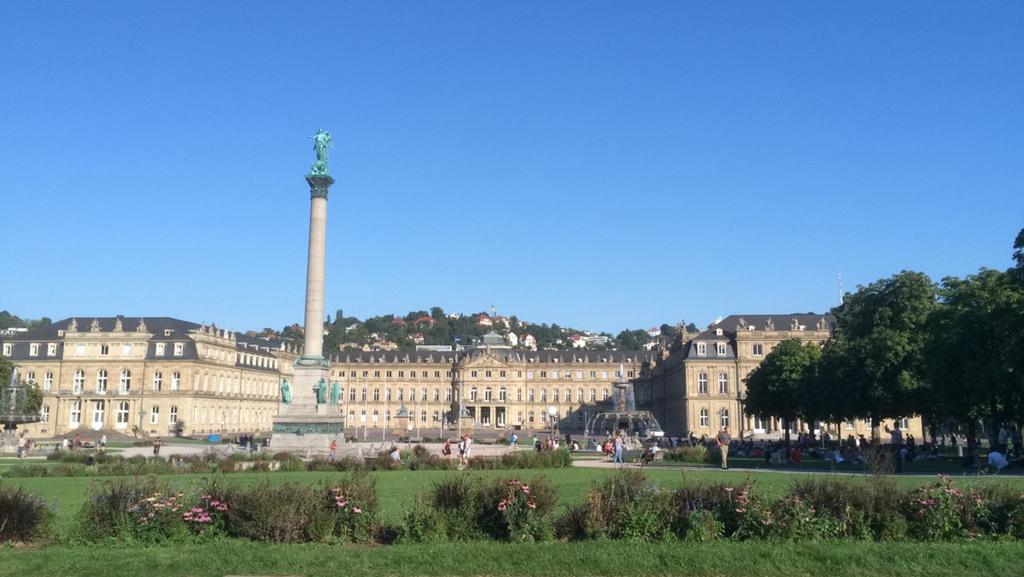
(319, 184)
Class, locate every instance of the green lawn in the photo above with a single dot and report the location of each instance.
(720, 559)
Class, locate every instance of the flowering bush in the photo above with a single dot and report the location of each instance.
(942, 511)
(513, 510)
(353, 504)
(517, 507)
(625, 506)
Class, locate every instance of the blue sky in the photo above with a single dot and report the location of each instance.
(597, 164)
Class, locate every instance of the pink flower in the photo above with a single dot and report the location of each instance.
(356, 510)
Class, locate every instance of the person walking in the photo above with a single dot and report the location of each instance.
(618, 448)
(22, 446)
(723, 446)
(156, 446)
(334, 449)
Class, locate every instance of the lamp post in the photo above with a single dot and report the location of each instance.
(552, 411)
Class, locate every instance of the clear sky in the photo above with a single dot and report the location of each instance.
(597, 164)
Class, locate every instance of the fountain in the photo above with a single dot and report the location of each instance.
(624, 416)
(13, 404)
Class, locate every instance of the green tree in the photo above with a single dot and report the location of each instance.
(877, 352)
(780, 385)
(975, 348)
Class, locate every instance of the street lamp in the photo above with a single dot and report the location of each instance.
(552, 411)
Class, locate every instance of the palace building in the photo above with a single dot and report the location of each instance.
(154, 376)
(163, 376)
(697, 386)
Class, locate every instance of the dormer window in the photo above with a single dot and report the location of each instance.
(161, 349)
(33, 350)
(51, 349)
(720, 349)
(179, 349)
(702, 349)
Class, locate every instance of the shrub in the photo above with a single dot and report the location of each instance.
(1005, 516)
(143, 509)
(624, 506)
(346, 510)
(23, 516)
(943, 512)
(511, 510)
(694, 454)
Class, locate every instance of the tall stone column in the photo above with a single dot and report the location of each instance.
(306, 424)
(315, 267)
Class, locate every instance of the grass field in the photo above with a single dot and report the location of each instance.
(721, 559)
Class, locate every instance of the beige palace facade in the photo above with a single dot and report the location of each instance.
(153, 376)
(697, 386)
(164, 376)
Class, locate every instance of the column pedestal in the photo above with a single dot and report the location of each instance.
(305, 427)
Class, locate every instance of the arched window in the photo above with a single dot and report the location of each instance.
(543, 395)
(593, 395)
(472, 394)
(487, 394)
(376, 394)
(101, 381)
(79, 382)
(702, 383)
(579, 395)
(501, 394)
(554, 395)
(703, 418)
(723, 383)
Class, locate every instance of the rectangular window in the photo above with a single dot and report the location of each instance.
(554, 374)
(758, 349)
(175, 380)
(702, 349)
(104, 350)
(45, 413)
(7, 349)
(122, 414)
(154, 415)
(126, 350)
(47, 381)
(33, 350)
(529, 374)
(720, 349)
(579, 374)
(98, 410)
(158, 380)
(51, 349)
(79, 350)
(76, 414)
(173, 417)
(179, 349)
(161, 349)
(703, 418)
